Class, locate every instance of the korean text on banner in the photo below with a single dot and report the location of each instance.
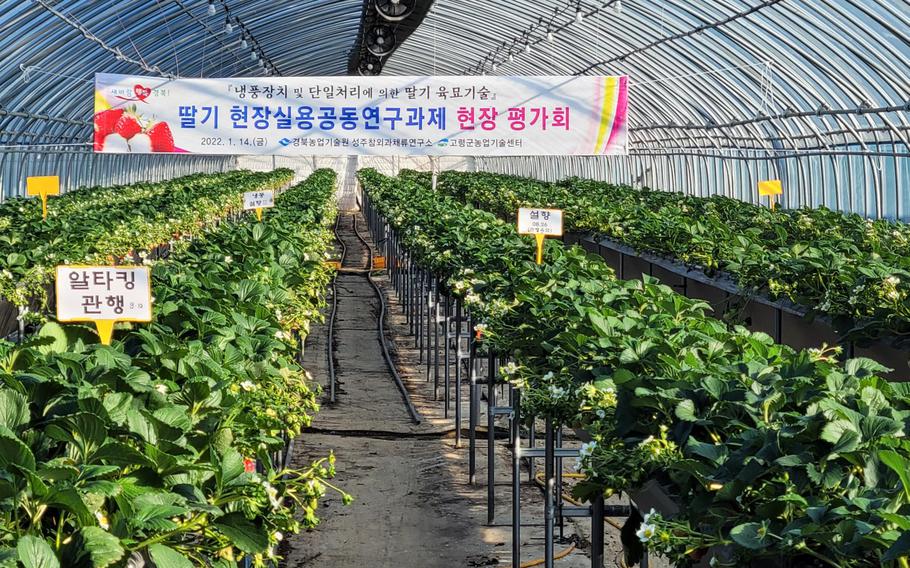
(381, 116)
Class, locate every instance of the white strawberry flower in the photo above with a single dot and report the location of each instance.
(161, 388)
(102, 520)
(646, 532)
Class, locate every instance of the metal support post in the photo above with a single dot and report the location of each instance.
(549, 497)
(458, 360)
(516, 478)
(491, 437)
(597, 532)
(446, 320)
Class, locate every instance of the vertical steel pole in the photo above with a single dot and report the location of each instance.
(457, 373)
(532, 443)
(491, 437)
(559, 484)
(597, 531)
(436, 303)
(446, 354)
(418, 314)
(431, 301)
(516, 478)
(473, 412)
(549, 500)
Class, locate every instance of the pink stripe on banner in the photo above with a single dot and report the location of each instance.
(622, 110)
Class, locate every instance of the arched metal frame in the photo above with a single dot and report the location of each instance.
(723, 93)
(755, 89)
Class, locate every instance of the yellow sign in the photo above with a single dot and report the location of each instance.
(770, 187)
(378, 262)
(334, 264)
(42, 186)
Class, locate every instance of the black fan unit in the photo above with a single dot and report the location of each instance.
(369, 65)
(395, 10)
(380, 40)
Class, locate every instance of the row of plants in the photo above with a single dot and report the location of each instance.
(853, 270)
(774, 456)
(147, 450)
(104, 226)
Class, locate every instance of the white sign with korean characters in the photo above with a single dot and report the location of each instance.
(104, 293)
(258, 200)
(533, 221)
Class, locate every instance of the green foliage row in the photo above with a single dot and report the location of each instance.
(853, 270)
(775, 455)
(101, 226)
(144, 448)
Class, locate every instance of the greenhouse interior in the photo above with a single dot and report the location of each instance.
(439, 283)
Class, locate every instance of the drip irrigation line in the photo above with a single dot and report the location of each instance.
(382, 434)
(415, 416)
(330, 348)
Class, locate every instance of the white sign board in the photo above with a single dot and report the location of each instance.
(258, 199)
(583, 115)
(533, 221)
(92, 293)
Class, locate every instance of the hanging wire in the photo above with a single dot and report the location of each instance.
(115, 51)
(129, 37)
(170, 35)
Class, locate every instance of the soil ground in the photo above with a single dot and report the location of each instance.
(414, 504)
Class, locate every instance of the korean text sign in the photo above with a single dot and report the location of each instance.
(258, 199)
(540, 222)
(91, 293)
(383, 116)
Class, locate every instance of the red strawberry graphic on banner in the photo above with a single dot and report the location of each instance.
(106, 121)
(128, 126)
(162, 138)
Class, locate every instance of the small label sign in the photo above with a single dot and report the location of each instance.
(540, 222)
(42, 185)
(258, 200)
(93, 293)
(770, 187)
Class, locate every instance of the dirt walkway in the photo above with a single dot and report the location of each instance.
(414, 506)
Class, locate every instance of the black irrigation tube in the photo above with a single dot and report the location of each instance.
(415, 416)
(330, 351)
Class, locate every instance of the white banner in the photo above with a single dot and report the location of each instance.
(382, 116)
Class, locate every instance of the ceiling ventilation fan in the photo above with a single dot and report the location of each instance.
(395, 10)
(369, 65)
(380, 40)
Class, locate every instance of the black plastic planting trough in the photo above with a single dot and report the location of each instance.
(786, 322)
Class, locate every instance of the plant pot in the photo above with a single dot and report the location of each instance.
(652, 495)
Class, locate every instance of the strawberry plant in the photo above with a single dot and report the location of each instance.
(140, 449)
(101, 226)
(853, 270)
(774, 456)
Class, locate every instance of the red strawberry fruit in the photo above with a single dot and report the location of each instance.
(162, 138)
(99, 141)
(106, 121)
(128, 126)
